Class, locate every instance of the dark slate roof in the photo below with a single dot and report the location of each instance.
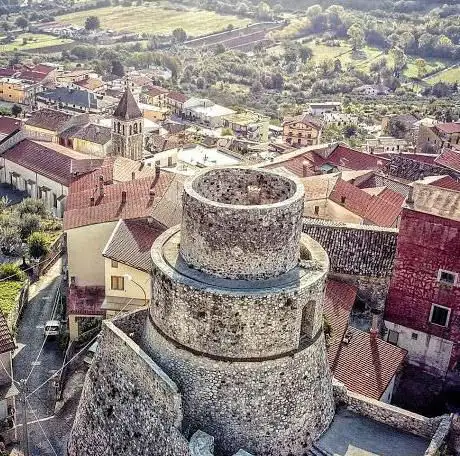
(6, 340)
(355, 249)
(49, 119)
(127, 109)
(94, 133)
(131, 242)
(80, 98)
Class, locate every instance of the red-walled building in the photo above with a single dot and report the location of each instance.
(422, 311)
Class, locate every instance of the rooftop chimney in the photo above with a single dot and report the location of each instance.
(101, 186)
(304, 168)
(123, 197)
(375, 323)
(133, 175)
(410, 196)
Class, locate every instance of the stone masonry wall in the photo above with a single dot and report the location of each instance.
(128, 405)
(355, 249)
(253, 234)
(270, 408)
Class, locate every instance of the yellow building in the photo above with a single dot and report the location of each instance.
(303, 130)
(14, 91)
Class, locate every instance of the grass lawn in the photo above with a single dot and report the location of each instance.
(8, 292)
(34, 41)
(156, 20)
(451, 76)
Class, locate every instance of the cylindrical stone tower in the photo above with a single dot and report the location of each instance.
(236, 313)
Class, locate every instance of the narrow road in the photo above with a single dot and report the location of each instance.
(37, 361)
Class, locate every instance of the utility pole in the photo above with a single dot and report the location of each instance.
(25, 431)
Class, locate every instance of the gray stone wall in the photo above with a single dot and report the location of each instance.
(241, 223)
(385, 413)
(128, 405)
(276, 407)
(355, 249)
(217, 318)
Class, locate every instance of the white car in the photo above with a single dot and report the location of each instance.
(52, 328)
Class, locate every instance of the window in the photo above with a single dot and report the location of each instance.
(316, 210)
(414, 336)
(393, 337)
(170, 161)
(447, 277)
(117, 283)
(55, 201)
(114, 264)
(439, 315)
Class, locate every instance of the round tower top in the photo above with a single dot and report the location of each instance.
(241, 223)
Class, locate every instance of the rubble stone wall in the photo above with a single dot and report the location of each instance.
(274, 407)
(128, 405)
(241, 223)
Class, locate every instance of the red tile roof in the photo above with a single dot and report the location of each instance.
(177, 96)
(304, 118)
(152, 196)
(156, 91)
(49, 119)
(338, 302)
(447, 182)
(382, 209)
(346, 158)
(6, 339)
(131, 242)
(85, 301)
(9, 125)
(367, 364)
(449, 128)
(450, 159)
(48, 159)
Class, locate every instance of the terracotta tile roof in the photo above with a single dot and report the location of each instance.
(9, 125)
(346, 158)
(131, 242)
(450, 159)
(31, 76)
(48, 159)
(90, 83)
(304, 118)
(160, 143)
(7, 72)
(6, 339)
(382, 209)
(94, 133)
(155, 196)
(49, 119)
(338, 302)
(177, 96)
(302, 165)
(41, 68)
(447, 182)
(366, 364)
(85, 300)
(448, 128)
(127, 108)
(156, 91)
(124, 168)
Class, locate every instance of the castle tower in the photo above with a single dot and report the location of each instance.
(236, 314)
(128, 128)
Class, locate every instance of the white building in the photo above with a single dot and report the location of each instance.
(318, 109)
(205, 111)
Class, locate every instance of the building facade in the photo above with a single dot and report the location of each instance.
(422, 312)
(301, 131)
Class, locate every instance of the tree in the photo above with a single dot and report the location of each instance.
(219, 49)
(21, 22)
(117, 68)
(305, 53)
(399, 59)
(356, 34)
(38, 244)
(5, 26)
(314, 10)
(16, 110)
(397, 128)
(28, 224)
(92, 23)
(264, 11)
(179, 35)
(32, 206)
(421, 67)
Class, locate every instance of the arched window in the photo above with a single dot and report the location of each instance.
(114, 127)
(130, 130)
(123, 129)
(135, 128)
(118, 128)
(140, 128)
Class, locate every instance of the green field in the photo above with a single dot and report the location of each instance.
(452, 75)
(34, 41)
(155, 20)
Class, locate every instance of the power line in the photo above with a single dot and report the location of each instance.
(41, 427)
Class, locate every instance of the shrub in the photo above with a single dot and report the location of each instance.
(9, 239)
(11, 271)
(32, 206)
(38, 244)
(28, 224)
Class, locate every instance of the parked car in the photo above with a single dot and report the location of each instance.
(52, 328)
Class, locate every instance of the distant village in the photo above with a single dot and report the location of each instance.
(111, 158)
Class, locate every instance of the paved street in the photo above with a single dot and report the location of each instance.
(30, 341)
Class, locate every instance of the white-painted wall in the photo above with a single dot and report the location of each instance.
(21, 184)
(388, 394)
(428, 351)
